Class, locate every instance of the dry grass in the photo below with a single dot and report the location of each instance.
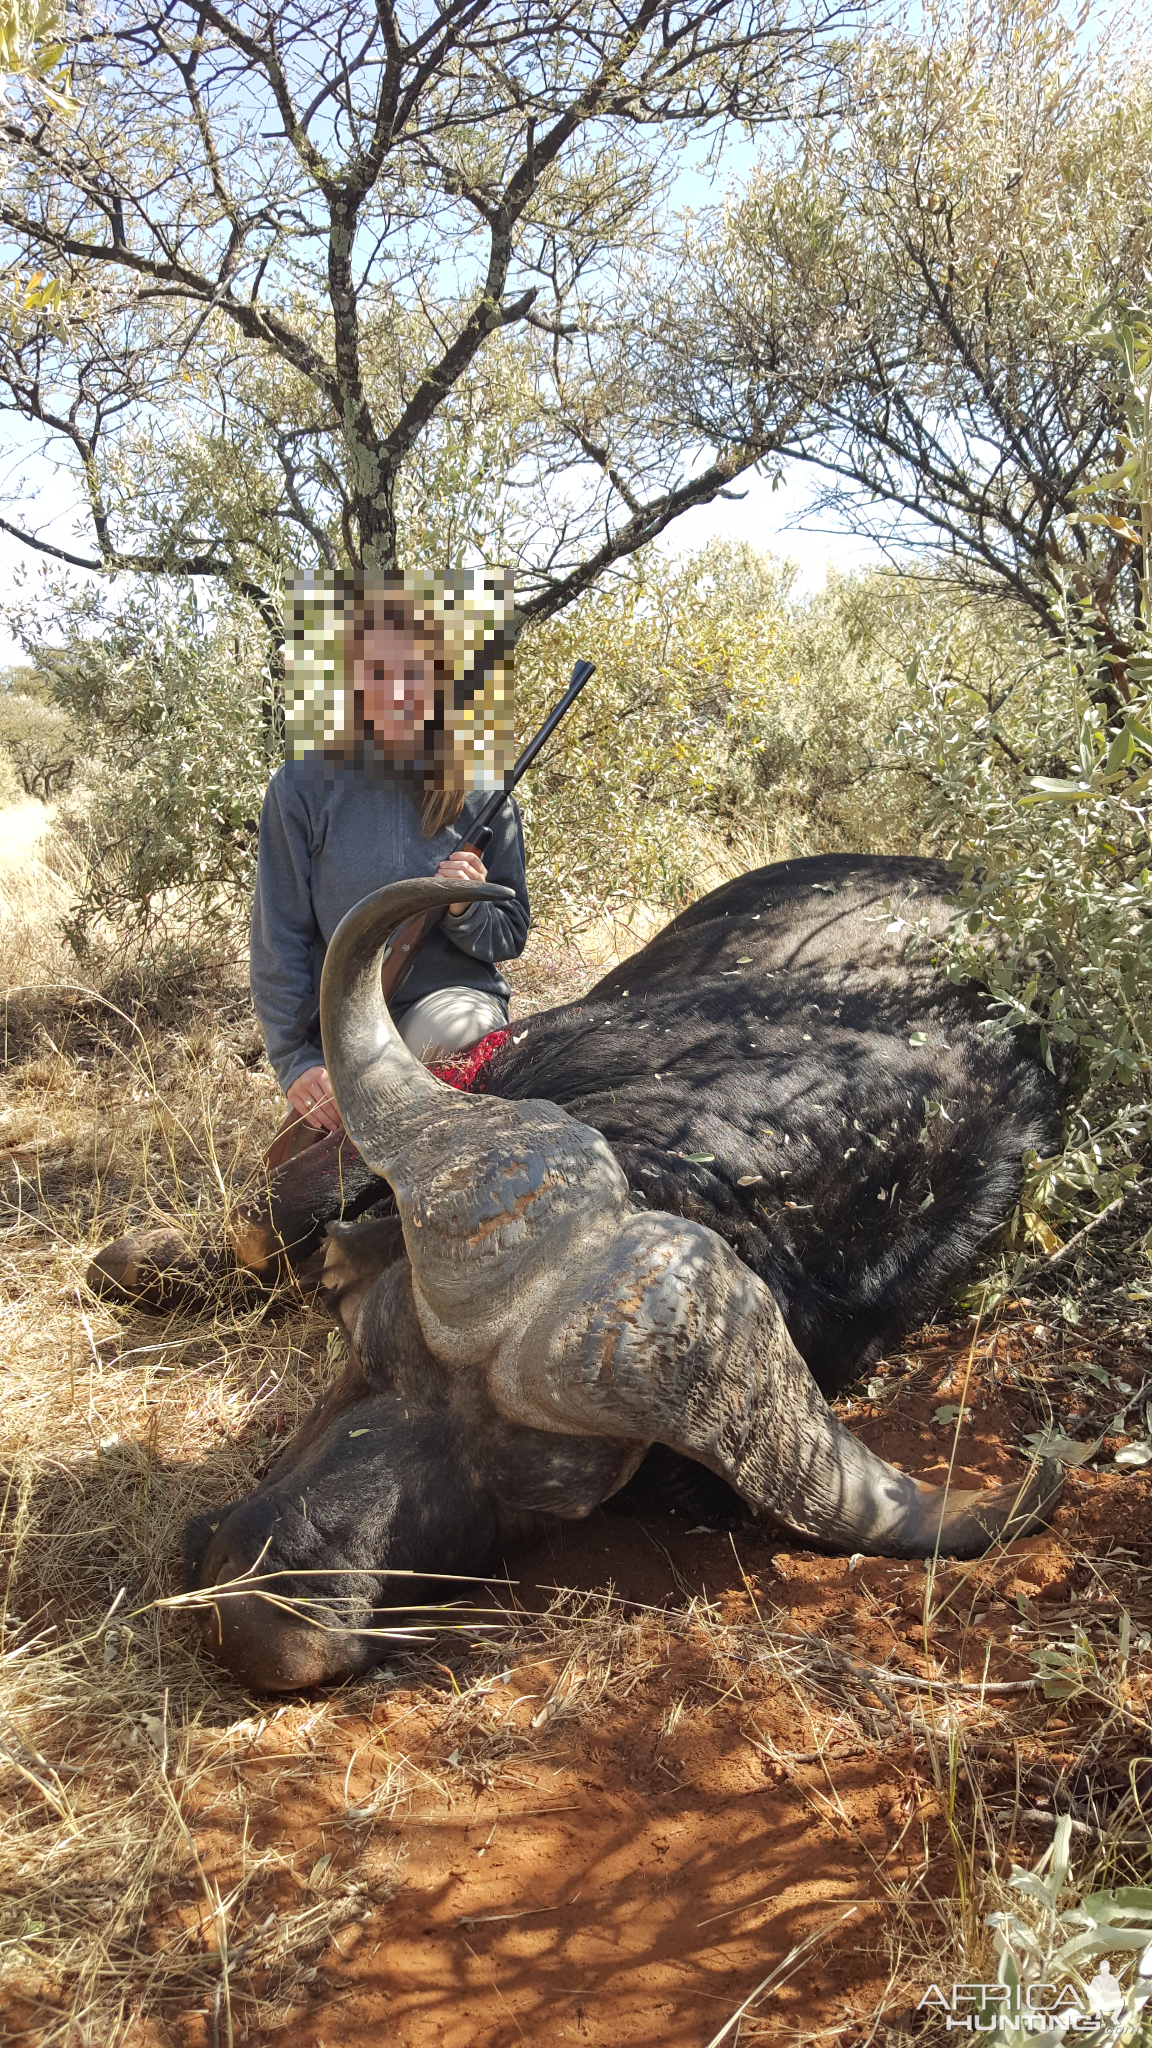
(114, 1432)
(40, 871)
(138, 1876)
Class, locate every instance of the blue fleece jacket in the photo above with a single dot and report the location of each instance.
(327, 839)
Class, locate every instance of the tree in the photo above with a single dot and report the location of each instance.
(930, 276)
(315, 261)
(30, 50)
(41, 742)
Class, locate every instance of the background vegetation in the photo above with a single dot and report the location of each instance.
(932, 287)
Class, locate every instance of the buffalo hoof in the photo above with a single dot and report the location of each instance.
(153, 1270)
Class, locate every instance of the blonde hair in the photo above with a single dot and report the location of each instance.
(440, 807)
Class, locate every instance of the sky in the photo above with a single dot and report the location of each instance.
(776, 521)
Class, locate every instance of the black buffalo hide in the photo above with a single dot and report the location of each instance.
(788, 1064)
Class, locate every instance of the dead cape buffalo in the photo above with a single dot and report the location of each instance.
(683, 1211)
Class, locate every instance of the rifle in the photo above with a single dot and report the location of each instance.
(406, 941)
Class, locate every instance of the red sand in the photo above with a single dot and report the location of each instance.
(630, 1873)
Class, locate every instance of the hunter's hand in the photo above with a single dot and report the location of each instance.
(462, 867)
(311, 1097)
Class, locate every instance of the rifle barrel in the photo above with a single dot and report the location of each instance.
(582, 673)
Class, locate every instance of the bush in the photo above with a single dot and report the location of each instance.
(729, 723)
(1044, 800)
(40, 741)
(1042, 786)
(176, 709)
(11, 787)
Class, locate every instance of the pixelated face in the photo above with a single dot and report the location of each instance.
(404, 675)
(393, 676)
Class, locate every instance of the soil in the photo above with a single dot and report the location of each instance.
(539, 1852)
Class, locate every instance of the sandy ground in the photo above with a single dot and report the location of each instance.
(711, 1754)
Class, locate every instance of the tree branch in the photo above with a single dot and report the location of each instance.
(644, 526)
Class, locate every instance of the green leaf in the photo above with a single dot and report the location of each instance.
(1133, 1898)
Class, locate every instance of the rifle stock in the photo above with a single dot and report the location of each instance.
(403, 946)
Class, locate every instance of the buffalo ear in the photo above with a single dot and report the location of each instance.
(352, 1259)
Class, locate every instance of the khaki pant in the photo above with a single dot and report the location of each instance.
(450, 1020)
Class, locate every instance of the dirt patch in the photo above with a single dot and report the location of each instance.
(612, 1822)
(605, 1880)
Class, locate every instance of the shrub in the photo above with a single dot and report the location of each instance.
(728, 723)
(177, 712)
(11, 787)
(1042, 787)
(41, 742)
